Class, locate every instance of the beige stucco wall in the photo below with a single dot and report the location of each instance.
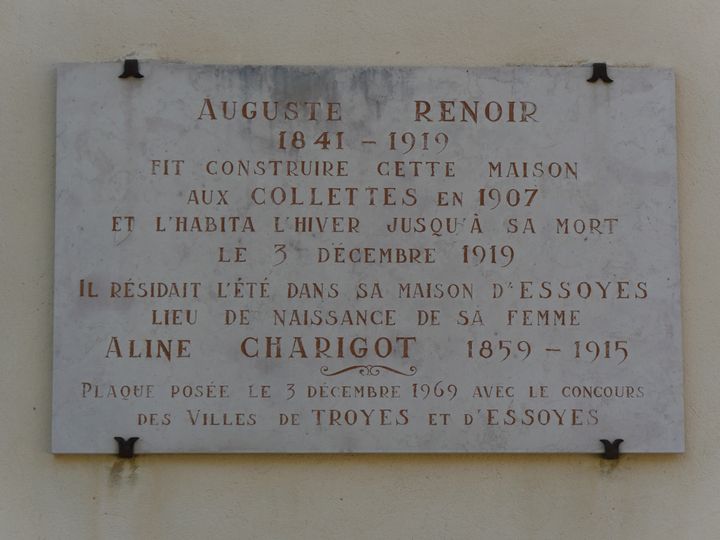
(317, 497)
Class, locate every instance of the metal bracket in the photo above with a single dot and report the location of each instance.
(600, 73)
(126, 447)
(612, 449)
(131, 68)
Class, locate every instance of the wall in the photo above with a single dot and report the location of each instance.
(420, 497)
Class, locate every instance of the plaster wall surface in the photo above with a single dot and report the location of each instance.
(352, 497)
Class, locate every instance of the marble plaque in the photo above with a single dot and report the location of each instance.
(381, 259)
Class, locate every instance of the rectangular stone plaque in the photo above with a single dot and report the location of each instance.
(382, 259)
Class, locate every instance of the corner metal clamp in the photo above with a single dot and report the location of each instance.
(131, 68)
(600, 73)
(612, 449)
(126, 447)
